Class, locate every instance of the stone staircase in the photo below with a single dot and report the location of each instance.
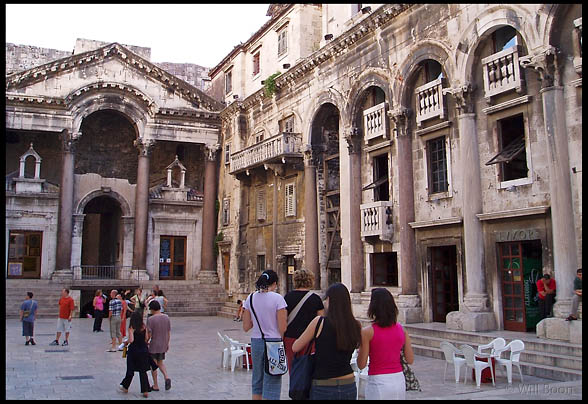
(47, 294)
(228, 310)
(190, 298)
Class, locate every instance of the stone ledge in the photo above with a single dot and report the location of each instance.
(480, 321)
(560, 329)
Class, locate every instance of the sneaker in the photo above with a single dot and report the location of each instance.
(121, 346)
(55, 342)
(65, 343)
(33, 342)
(122, 389)
(167, 384)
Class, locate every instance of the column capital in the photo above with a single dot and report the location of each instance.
(145, 146)
(309, 156)
(544, 61)
(210, 151)
(353, 139)
(280, 259)
(464, 97)
(68, 142)
(400, 116)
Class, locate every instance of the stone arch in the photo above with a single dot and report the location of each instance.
(329, 96)
(484, 25)
(89, 99)
(427, 49)
(124, 205)
(371, 77)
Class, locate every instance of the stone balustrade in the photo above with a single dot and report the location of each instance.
(430, 101)
(281, 145)
(374, 122)
(502, 72)
(376, 219)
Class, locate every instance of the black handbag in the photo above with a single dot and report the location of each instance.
(301, 371)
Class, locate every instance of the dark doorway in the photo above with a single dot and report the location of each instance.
(102, 234)
(384, 269)
(444, 281)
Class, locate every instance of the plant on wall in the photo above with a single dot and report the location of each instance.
(219, 237)
(269, 84)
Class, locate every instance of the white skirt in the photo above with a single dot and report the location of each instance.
(389, 386)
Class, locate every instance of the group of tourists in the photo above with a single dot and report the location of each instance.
(330, 331)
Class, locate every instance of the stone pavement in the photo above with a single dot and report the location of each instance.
(86, 371)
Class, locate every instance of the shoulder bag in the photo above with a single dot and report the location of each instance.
(301, 371)
(297, 308)
(274, 356)
(27, 313)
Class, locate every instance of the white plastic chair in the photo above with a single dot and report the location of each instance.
(470, 359)
(516, 347)
(449, 350)
(238, 349)
(226, 349)
(359, 374)
(494, 345)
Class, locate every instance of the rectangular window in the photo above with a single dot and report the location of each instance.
(260, 205)
(283, 41)
(437, 165)
(256, 63)
(261, 263)
(227, 153)
(380, 185)
(24, 254)
(228, 82)
(287, 124)
(511, 145)
(384, 269)
(172, 257)
(259, 137)
(290, 203)
(226, 211)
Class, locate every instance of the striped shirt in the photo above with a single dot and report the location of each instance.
(115, 306)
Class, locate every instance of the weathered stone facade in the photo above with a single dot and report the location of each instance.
(457, 132)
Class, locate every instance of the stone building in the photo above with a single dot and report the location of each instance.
(110, 174)
(431, 149)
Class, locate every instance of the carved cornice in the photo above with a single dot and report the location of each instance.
(544, 62)
(171, 82)
(14, 99)
(145, 146)
(464, 97)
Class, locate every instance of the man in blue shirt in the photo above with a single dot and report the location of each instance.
(28, 309)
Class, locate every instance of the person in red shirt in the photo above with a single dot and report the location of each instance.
(66, 308)
(546, 293)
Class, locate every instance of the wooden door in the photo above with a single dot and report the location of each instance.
(444, 277)
(226, 266)
(511, 275)
(172, 257)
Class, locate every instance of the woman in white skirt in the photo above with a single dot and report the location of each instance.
(382, 342)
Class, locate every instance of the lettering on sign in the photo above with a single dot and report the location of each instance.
(517, 235)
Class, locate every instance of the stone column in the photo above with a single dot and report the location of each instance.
(354, 139)
(142, 206)
(474, 314)
(565, 258)
(65, 221)
(208, 273)
(311, 256)
(408, 301)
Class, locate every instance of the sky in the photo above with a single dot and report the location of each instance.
(202, 34)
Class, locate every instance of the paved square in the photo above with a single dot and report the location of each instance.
(83, 370)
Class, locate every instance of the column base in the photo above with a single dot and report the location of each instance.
(562, 308)
(139, 274)
(208, 277)
(560, 329)
(409, 309)
(471, 321)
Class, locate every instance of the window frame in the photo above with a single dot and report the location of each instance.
(228, 82)
(283, 43)
(256, 63)
(431, 196)
(260, 205)
(27, 254)
(227, 153)
(431, 182)
(226, 212)
(290, 199)
(173, 262)
(287, 122)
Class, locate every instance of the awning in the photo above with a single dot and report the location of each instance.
(507, 154)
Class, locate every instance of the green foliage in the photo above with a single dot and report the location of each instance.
(269, 84)
(219, 237)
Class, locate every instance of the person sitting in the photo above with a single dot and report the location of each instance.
(546, 291)
(577, 297)
(239, 316)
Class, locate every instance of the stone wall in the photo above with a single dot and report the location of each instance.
(23, 57)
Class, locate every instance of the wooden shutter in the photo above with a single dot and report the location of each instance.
(260, 205)
(290, 203)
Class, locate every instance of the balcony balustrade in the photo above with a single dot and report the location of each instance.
(430, 101)
(502, 72)
(102, 272)
(374, 122)
(376, 219)
(275, 148)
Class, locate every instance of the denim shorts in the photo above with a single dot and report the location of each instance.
(341, 392)
(268, 386)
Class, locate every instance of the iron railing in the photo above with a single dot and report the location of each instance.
(100, 272)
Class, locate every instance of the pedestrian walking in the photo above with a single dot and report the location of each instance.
(137, 355)
(577, 297)
(383, 342)
(66, 308)
(159, 330)
(114, 311)
(546, 292)
(138, 301)
(152, 296)
(162, 300)
(123, 316)
(239, 316)
(28, 309)
(339, 334)
(270, 308)
(98, 304)
(303, 306)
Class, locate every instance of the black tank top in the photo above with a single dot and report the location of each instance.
(139, 344)
(330, 362)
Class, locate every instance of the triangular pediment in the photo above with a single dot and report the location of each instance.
(111, 66)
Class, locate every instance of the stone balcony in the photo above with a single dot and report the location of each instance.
(502, 72)
(430, 101)
(276, 149)
(376, 220)
(374, 122)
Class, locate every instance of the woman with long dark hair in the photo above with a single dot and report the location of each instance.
(270, 310)
(339, 334)
(383, 342)
(137, 355)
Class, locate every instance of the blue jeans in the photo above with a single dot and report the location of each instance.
(268, 386)
(342, 392)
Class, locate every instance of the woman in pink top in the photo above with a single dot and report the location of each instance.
(382, 342)
(98, 304)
